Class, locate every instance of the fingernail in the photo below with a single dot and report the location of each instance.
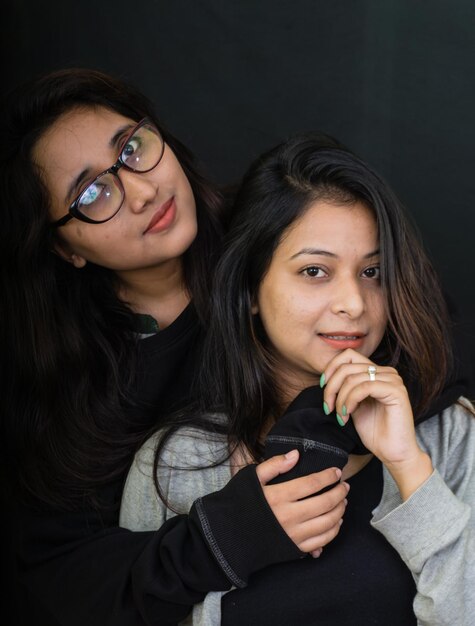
(326, 410)
(291, 455)
(343, 410)
(316, 553)
(322, 380)
(339, 420)
(347, 486)
(338, 472)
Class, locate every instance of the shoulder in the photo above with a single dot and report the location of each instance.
(192, 464)
(188, 448)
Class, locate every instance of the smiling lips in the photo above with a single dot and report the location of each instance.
(163, 218)
(342, 341)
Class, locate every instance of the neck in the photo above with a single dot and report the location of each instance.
(157, 291)
(289, 385)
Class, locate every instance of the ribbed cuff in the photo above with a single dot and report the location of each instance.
(241, 529)
(315, 456)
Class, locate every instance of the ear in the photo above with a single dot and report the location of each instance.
(62, 249)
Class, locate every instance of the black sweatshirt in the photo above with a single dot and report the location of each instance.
(80, 568)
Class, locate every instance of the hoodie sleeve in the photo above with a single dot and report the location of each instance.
(322, 443)
(434, 530)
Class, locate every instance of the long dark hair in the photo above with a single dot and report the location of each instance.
(277, 189)
(67, 339)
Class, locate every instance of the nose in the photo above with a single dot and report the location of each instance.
(139, 189)
(349, 298)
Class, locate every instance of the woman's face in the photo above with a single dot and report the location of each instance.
(157, 221)
(322, 292)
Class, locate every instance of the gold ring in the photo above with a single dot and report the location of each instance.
(372, 373)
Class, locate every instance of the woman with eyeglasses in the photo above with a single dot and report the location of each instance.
(109, 238)
(329, 334)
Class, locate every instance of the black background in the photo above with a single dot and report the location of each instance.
(393, 79)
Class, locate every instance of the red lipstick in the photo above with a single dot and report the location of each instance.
(163, 218)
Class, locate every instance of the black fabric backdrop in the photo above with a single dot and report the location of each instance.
(393, 79)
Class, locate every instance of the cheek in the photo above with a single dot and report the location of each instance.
(170, 171)
(281, 303)
(283, 321)
(378, 313)
(270, 312)
(97, 245)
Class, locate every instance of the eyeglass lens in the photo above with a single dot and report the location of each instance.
(103, 197)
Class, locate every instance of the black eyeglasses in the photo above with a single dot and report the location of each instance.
(102, 199)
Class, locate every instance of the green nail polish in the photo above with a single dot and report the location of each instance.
(339, 420)
(326, 410)
(343, 410)
(322, 381)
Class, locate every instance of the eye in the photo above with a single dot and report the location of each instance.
(91, 194)
(373, 272)
(314, 272)
(131, 147)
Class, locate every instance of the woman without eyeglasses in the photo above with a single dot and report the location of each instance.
(329, 334)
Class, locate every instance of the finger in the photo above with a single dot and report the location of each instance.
(347, 356)
(316, 526)
(386, 393)
(314, 507)
(303, 487)
(318, 542)
(352, 381)
(267, 470)
(319, 531)
(336, 375)
(346, 371)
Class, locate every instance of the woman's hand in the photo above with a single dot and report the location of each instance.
(311, 522)
(382, 415)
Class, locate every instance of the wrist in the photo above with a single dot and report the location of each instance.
(409, 475)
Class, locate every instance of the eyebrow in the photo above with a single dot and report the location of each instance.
(318, 252)
(113, 143)
(125, 129)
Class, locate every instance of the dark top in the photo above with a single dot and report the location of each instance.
(327, 591)
(81, 569)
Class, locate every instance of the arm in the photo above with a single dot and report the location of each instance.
(181, 483)
(83, 573)
(430, 512)
(85, 570)
(191, 466)
(434, 529)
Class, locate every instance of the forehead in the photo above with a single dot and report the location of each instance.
(78, 135)
(78, 140)
(350, 225)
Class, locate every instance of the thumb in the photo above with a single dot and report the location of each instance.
(267, 470)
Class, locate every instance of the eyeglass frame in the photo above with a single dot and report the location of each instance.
(73, 211)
